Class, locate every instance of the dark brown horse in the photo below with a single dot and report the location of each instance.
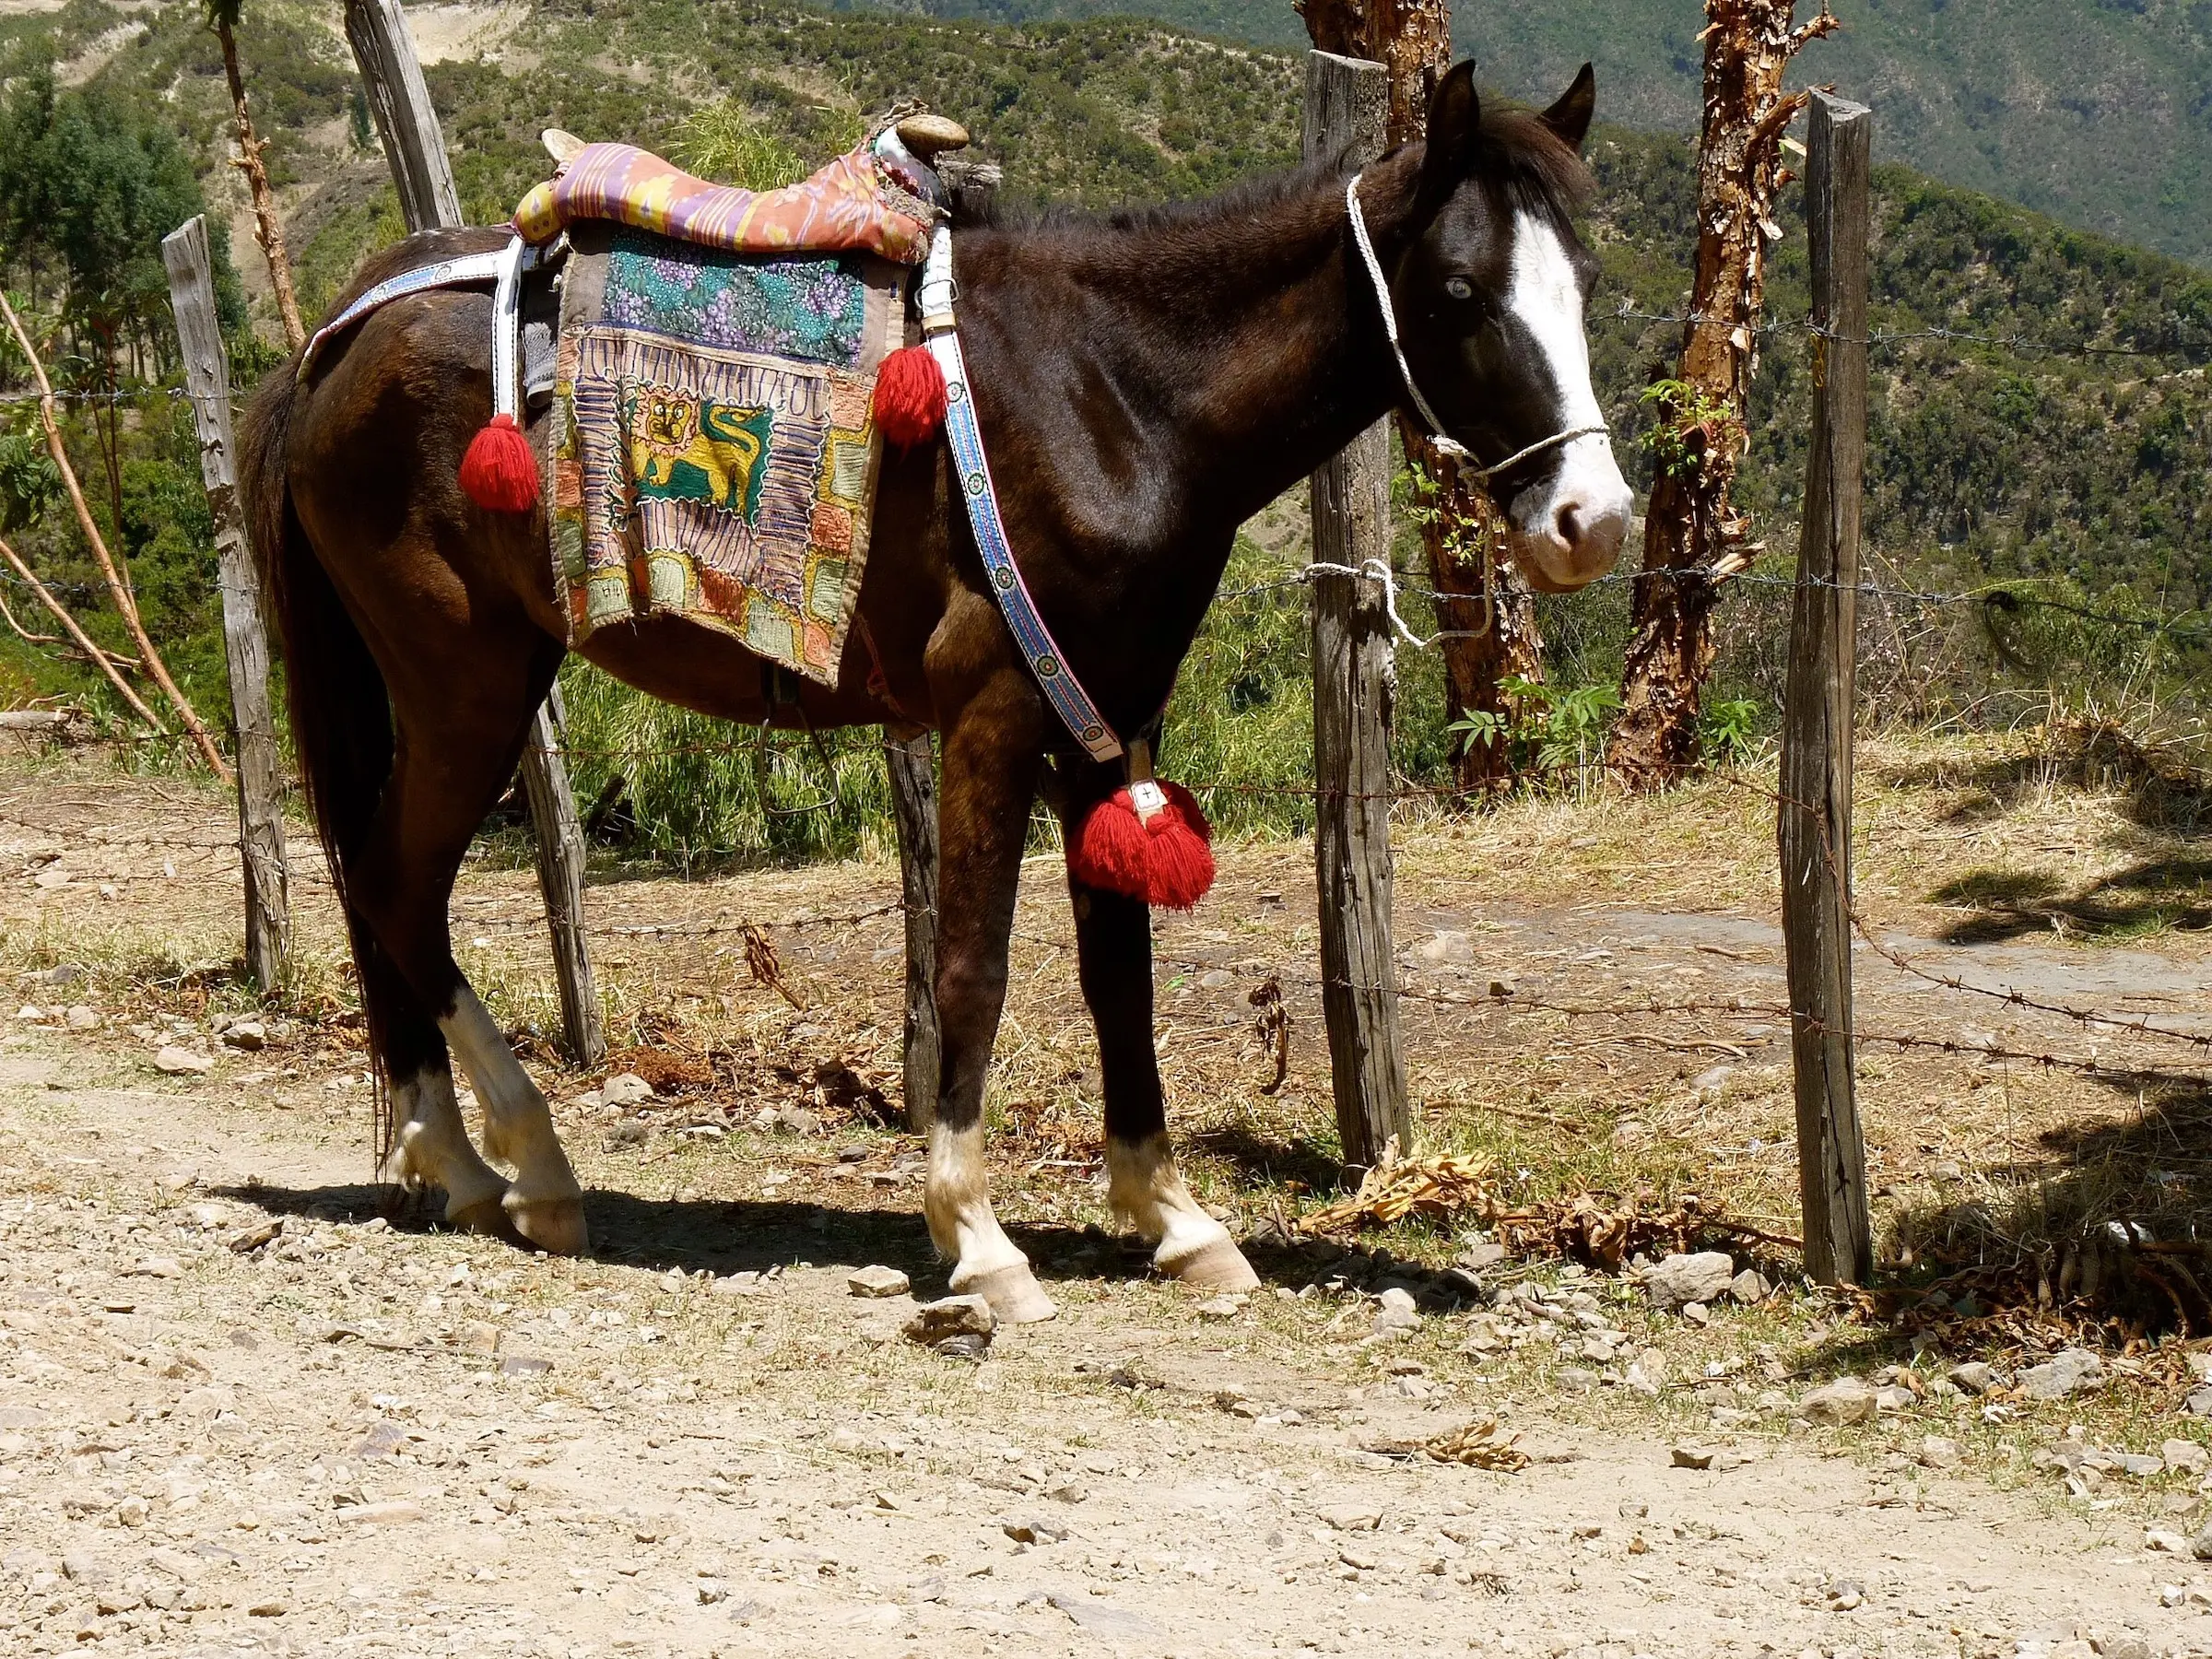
(1146, 381)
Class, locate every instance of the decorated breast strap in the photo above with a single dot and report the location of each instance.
(1046, 661)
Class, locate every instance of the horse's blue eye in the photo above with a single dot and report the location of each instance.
(1459, 287)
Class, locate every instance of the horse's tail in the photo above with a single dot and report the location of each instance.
(341, 713)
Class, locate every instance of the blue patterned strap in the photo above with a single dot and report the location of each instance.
(1055, 677)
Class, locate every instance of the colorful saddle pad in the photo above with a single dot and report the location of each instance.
(715, 451)
(854, 205)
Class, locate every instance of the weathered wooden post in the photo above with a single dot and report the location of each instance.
(1814, 820)
(1348, 102)
(561, 860)
(910, 757)
(400, 98)
(415, 148)
(186, 252)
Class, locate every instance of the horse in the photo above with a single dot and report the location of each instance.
(1146, 381)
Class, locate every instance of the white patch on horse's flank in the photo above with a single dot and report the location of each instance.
(1545, 299)
(518, 1129)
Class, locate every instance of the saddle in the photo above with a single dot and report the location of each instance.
(716, 435)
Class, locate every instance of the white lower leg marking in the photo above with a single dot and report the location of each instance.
(518, 1129)
(1145, 1187)
(430, 1144)
(956, 1201)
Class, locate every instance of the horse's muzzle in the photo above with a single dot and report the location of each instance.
(1568, 531)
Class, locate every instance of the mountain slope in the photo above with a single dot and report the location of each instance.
(2096, 111)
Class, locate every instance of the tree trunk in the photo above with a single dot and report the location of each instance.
(1692, 530)
(267, 230)
(1412, 39)
(1490, 638)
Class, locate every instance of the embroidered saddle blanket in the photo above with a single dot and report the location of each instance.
(714, 450)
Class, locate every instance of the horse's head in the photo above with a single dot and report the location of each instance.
(1490, 285)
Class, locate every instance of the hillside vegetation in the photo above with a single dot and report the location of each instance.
(2058, 449)
(2097, 111)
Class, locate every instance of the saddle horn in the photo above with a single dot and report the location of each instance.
(927, 135)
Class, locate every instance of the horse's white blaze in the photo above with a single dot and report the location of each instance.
(1547, 302)
(1144, 1187)
(956, 1201)
(518, 1129)
(431, 1149)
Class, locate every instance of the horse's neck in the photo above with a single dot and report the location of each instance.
(1247, 336)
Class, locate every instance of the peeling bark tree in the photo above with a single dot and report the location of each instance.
(1459, 524)
(1692, 528)
(268, 230)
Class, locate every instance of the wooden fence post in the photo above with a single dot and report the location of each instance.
(1348, 107)
(910, 756)
(185, 252)
(1814, 820)
(415, 148)
(560, 860)
(400, 98)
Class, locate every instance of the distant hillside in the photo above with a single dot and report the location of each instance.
(2023, 457)
(2096, 111)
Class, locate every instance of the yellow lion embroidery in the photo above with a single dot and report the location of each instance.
(683, 450)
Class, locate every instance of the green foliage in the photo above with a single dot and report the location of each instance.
(29, 481)
(1730, 728)
(724, 142)
(2095, 113)
(706, 792)
(88, 186)
(1689, 425)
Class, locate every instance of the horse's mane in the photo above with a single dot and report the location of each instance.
(1539, 171)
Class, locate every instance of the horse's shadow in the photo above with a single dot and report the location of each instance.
(726, 1236)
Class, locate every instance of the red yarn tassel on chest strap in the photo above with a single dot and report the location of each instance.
(1150, 840)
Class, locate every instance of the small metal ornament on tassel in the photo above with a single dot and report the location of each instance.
(1148, 840)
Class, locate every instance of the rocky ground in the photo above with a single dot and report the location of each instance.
(246, 1404)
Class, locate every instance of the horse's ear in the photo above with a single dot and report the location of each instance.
(1570, 118)
(1454, 128)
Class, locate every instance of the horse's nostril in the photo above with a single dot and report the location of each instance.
(1569, 523)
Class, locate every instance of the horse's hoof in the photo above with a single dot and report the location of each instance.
(554, 1225)
(1215, 1264)
(1012, 1290)
(487, 1215)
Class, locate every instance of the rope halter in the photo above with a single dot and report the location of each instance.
(1445, 443)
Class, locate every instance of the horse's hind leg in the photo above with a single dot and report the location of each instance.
(1114, 948)
(429, 1143)
(456, 745)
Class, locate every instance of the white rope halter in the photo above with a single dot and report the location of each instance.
(1444, 442)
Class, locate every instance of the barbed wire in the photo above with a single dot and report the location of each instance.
(1880, 338)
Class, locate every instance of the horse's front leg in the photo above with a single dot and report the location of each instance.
(1114, 945)
(990, 779)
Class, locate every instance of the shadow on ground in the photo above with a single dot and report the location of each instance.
(2156, 896)
(2103, 1219)
(722, 1237)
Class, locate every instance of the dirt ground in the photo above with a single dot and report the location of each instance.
(248, 1403)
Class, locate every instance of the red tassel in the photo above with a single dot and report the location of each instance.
(499, 472)
(1169, 862)
(910, 396)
